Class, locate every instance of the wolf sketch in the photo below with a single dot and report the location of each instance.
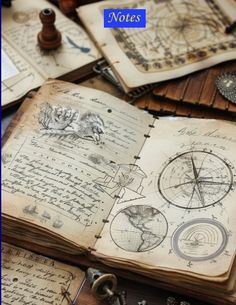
(65, 121)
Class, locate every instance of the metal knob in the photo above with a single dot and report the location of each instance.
(102, 285)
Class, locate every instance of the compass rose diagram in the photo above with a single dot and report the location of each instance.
(195, 179)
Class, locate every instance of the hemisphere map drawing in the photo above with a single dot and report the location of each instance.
(138, 228)
(195, 179)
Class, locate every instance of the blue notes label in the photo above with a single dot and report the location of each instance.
(124, 18)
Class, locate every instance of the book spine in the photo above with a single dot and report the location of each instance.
(17, 117)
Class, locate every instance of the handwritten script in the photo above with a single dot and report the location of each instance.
(28, 278)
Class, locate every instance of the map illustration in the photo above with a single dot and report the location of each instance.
(200, 239)
(178, 33)
(138, 228)
(195, 179)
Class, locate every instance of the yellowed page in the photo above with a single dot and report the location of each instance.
(26, 79)
(28, 278)
(68, 141)
(20, 27)
(180, 37)
(186, 218)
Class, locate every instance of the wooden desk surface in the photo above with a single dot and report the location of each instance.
(136, 292)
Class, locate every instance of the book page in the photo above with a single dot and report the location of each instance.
(8, 69)
(185, 220)
(23, 81)
(68, 142)
(20, 27)
(28, 278)
(180, 37)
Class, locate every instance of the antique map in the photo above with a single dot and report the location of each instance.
(180, 37)
(177, 33)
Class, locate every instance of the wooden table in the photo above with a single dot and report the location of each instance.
(136, 292)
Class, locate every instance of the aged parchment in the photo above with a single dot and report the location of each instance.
(28, 278)
(67, 138)
(180, 37)
(185, 219)
(20, 26)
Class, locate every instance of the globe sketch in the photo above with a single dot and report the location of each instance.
(138, 228)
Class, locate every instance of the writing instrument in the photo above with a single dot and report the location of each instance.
(66, 295)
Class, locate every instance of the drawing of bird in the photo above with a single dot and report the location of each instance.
(62, 121)
(90, 126)
(56, 118)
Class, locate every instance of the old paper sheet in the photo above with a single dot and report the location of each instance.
(69, 137)
(20, 26)
(180, 37)
(26, 79)
(185, 219)
(8, 68)
(28, 278)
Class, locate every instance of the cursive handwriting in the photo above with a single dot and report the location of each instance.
(195, 132)
(30, 279)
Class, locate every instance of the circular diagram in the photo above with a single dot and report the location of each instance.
(195, 179)
(199, 240)
(138, 228)
(186, 30)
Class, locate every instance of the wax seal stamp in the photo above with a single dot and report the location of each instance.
(226, 84)
(49, 38)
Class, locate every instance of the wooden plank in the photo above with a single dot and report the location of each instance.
(195, 87)
(232, 108)
(209, 89)
(177, 88)
(183, 110)
(220, 102)
(161, 89)
(198, 88)
(155, 105)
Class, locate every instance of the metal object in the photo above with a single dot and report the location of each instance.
(226, 84)
(104, 69)
(230, 28)
(122, 296)
(102, 285)
(171, 301)
(143, 302)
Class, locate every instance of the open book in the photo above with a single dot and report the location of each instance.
(180, 37)
(28, 278)
(85, 172)
(24, 65)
